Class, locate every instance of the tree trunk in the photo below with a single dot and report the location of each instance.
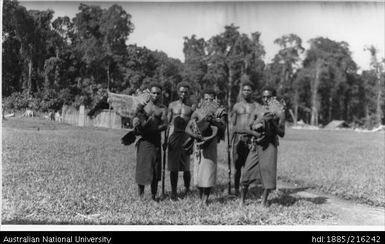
(347, 114)
(46, 77)
(330, 117)
(296, 101)
(293, 116)
(108, 75)
(367, 114)
(29, 81)
(24, 75)
(378, 100)
(282, 81)
(314, 96)
(36, 85)
(56, 79)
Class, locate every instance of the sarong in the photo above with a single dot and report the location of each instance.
(241, 149)
(178, 160)
(205, 165)
(261, 166)
(148, 161)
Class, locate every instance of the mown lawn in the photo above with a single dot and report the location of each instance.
(59, 174)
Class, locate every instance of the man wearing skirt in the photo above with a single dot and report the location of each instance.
(178, 159)
(261, 163)
(148, 162)
(240, 118)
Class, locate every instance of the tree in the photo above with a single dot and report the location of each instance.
(379, 68)
(281, 72)
(368, 96)
(232, 55)
(11, 65)
(24, 30)
(195, 64)
(115, 27)
(328, 62)
(100, 43)
(58, 42)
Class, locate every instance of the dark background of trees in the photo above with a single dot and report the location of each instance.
(50, 62)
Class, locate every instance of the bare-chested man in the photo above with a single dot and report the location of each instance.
(261, 163)
(241, 133)
(178, 160)
(148, 163)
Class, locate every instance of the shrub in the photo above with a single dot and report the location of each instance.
(17, 101)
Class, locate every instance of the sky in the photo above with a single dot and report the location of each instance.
(162, 25)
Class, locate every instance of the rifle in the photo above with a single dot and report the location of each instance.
(228, 150)
(164, 159)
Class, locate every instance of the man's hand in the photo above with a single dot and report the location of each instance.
(135, 122)
(257, 126)
(209, 117)
(258, 135)
(205, 141)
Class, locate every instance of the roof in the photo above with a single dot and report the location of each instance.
(337, 124)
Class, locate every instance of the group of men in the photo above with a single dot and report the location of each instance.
(250, 163)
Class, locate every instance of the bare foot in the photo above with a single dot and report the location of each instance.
(265, 204)
(174, 197)
(201, 204)
(241, 203)
(154, 198)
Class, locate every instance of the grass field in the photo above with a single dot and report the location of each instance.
(59, 174)
(344, 163)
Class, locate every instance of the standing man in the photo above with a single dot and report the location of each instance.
(268, 122)
(201, 129)
(148, 162)
(178, 160)
(241, 136)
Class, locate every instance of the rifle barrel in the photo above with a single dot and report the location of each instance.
(164, 162)
(228, 152)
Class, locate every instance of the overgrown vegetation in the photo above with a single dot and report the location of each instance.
(81, 57)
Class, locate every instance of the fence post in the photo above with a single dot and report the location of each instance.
(81, 115)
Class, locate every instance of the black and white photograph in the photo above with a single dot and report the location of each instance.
(184, 115)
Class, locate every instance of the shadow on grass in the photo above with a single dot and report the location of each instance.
(285, 197)
(220, 195)
(293, 190)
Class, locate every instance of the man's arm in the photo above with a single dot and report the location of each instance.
(280, 125)
(150, 128)
(248, 129)
(164, 120)
(188, 127)
(193, 107)
(208, 139)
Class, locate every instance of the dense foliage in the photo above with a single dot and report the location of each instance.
(50, 62)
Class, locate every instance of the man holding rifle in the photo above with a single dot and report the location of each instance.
(179, 113)
(153, 120)
(240, 134)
